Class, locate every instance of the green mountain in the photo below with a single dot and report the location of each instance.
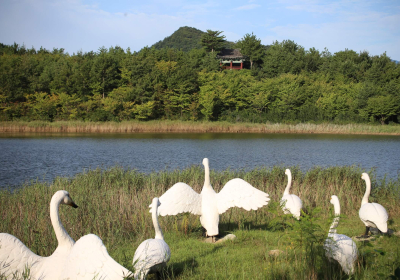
(185, 38)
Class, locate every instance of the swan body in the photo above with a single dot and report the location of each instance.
(291, 203)
(152, 254)
(372, 214)
(89, 260)
(209, 204)
(340, 247)
(15, 257)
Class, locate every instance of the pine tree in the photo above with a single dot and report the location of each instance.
(212, 40)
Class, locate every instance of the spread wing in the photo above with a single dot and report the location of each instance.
(239, 193)
(15, 257)
(89, 260)
(179, 198)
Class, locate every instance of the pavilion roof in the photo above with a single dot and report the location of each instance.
(230, 54)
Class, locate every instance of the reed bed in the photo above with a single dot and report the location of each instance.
(114, 204)
(193, 127)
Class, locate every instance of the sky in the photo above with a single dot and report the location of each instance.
(87, 25)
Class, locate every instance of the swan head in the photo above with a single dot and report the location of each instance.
(336, 204)
(155, 202)
(365, 176)
(287, 172)
(334, 199)
(65, 198)
(205, 161)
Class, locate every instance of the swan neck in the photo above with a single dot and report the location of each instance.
(289, 184)
(159, 234)
(63, 238)
(335, 222)
(367, 191)
(207, 183)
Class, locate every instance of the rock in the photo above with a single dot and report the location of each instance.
(226, 238)
(275, 253)
(361, 238)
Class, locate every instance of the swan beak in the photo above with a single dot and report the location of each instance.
(73, 204)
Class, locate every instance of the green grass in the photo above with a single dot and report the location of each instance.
(113, 204)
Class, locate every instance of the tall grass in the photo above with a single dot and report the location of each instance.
(194, 127)
(114, 204)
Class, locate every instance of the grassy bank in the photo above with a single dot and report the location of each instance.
(194, 127)
(114, 204)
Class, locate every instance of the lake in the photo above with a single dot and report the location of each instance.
(25, 157)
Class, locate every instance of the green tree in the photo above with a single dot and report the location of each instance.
(213, 40)
(251, 47)
(104, 73)
(68, 106)
(284, 57)
(383, 107)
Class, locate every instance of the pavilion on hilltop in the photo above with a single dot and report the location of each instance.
(231, 59)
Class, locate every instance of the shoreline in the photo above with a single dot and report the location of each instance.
(193, 127)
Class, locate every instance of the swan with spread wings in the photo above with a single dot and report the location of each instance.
(208, 204)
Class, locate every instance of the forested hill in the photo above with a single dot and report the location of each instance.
(287, 84)
(185, 39)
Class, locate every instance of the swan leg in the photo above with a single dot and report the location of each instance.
(366, 232)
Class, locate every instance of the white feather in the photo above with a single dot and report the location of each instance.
(340, 247)
(89, 260)
(180, 198)
(152, 254)
(15, 257)
(372, 214)
(208, 204)
(291, 203)
(239, 193)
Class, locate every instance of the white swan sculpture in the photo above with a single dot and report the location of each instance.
(209, 204)
(372, 214)
(291, 203)
(152, 254)
(89, 260)
(15, 257)
(339, 246)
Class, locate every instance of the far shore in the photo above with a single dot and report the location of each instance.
(166, 126)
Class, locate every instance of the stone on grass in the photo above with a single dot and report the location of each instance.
(275, 253)
(225, 238)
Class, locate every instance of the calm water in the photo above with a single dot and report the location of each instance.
(45, 156)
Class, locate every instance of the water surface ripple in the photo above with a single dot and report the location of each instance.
(45, 156)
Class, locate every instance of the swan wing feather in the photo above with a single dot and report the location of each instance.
(292, 203)
(239, 193)
(179, 198)
(15, 257)
(343, 249)
(375, 214)
(89, 259)
(149, 255)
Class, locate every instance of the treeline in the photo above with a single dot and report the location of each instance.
(286, 84)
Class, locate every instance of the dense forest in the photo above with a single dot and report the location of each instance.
(286, 83)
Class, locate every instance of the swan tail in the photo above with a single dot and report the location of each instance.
(382, 227)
